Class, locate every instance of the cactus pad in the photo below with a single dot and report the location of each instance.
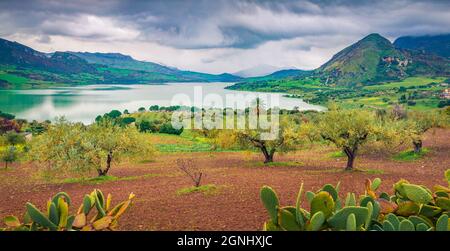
(270, 201)
(323, 202)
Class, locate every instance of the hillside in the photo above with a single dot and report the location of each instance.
(438, 45)
(370, 72)
(371, 60)
(120, 61)
(24, 67)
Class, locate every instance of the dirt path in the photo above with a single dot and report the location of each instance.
(236, 205)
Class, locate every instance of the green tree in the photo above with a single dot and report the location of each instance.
(154, 108)
(348, 130)
(145, 126)
(106, 143)
(252, 139)
(114, 114)
(9, 155)
(13, 138)
(418, 123)
(168, 128)
(126, 121)
(73, 146)
(7, 116)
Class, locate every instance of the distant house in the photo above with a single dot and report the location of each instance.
(445, 94)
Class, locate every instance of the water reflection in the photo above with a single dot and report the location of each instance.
(84, 103)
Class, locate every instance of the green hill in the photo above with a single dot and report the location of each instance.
(24, 67)
(371, 60)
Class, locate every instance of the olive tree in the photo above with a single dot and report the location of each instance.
(348, 130)
(418, 123)
(8, 155)
(74, 146)
(284, 141)
(106, 143)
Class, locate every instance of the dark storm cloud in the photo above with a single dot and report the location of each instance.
(220, 24)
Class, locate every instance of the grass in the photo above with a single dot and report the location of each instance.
(342, 170)
(209, 189)
(103, 179)
(13, 79)
(408, 82)
(409, 155)
(186, 142)
(278, 164)
(337, 154)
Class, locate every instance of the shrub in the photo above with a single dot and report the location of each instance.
(14, 138)
(8, 155)
(169, 129)
(411, 208)
(189, 168)
(57, 218)
(7, 116)
(7, 125)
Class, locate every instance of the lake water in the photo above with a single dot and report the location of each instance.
(84, 103)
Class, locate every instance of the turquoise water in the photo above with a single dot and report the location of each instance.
(84, 103)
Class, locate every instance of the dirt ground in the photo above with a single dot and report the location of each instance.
(239, 177)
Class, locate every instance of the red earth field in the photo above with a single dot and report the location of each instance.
(235, 204)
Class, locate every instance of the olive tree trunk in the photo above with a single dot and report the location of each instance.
(351, 155)
(108, 165)
(417, 146)
(268, 155)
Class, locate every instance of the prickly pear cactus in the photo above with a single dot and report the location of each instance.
(57, 218)
(411, 208)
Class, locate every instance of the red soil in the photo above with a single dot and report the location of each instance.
(236, 205)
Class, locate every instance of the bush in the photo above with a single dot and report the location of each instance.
(410, 208)
(444, 103)
(14, 138)
(8, 155)
(168, 128)
(126, 121)
(411, 103)
(7, 116)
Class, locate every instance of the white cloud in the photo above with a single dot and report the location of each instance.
(89, 26)
(219, 36)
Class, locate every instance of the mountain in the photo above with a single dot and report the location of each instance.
(13, 53)
(120, 61)
(24, 66)
(282, 74)
(371, 60)
(367, 60)
(438, 45)
(256, 71)
(374, 59)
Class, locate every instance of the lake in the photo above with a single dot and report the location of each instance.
(84, 103)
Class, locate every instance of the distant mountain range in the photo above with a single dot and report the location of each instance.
(438, 45)
(23, 66)
(258, 70)
(371, 60)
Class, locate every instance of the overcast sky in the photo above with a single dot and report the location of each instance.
(216, 36)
